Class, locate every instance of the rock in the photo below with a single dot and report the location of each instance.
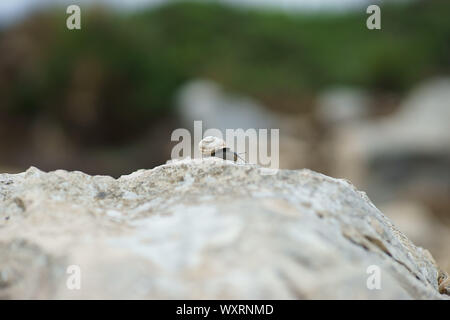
(205, 100)
(422, 227)
(203, 228)
(410, 147)
(341, 105)
(403, 158)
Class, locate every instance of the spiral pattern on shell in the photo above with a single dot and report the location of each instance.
(210, 144)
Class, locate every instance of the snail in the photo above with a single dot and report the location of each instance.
(215, 147)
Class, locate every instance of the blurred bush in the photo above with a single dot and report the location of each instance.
(106, 83)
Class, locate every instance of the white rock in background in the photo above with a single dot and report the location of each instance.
(205, 100)
(403, 146)
(342, 105)
(202, 228)
(422, 123)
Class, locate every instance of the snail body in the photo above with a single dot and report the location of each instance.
(225, 154)
(215, 147)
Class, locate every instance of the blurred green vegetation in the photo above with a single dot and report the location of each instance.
(127, 67)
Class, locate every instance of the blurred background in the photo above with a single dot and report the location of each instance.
(371, 106)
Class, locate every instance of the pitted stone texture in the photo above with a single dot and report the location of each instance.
(203, 228)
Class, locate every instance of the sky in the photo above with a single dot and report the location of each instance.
(11, 10)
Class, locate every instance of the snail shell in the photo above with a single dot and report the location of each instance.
(209, 145)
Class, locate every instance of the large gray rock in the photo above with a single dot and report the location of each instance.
(406, 149)
(203, 228)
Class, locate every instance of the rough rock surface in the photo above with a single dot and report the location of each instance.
(202, 229)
